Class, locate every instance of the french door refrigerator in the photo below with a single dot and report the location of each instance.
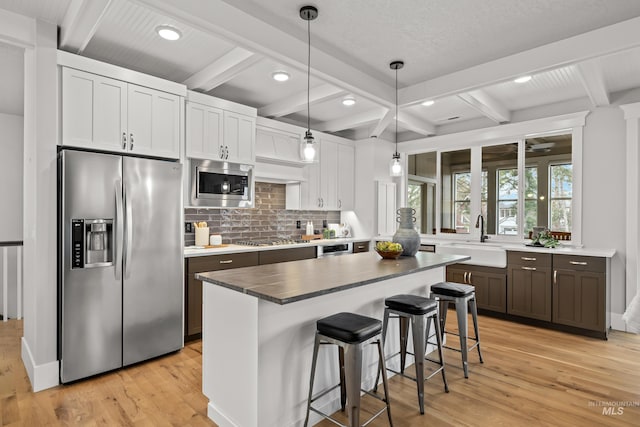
(120, 284)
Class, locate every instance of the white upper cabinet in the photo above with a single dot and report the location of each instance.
(239, 137)
(204, 131)
(220, 130)
(329, 183)
(346, 177)
(154, 122)
(94, 111)
(108, 114)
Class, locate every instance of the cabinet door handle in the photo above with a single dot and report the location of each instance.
(360, 246)
(321, 202)
(524, 258)
(469, 278)
(465, 277)
(220, 151)
(226, 261)
(555, 277)
(578, 262)
(529, 268)
(130, 141)
(124, 140)
(339, 203)
(226, 152)
(319, 205)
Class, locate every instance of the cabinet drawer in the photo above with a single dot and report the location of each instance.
(360, 247)
(222, 262)
(531, 259)
(580, 263)
(284, 255)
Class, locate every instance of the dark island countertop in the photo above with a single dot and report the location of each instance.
(293, 281)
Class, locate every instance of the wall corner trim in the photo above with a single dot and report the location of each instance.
(43, 376)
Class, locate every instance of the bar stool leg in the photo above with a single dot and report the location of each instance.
(404, 338)
(353, 372)
(474, 315)
(385, 323)
(316, 346)
(463, 326)
(444, 307)
(383, 368)
(343, 387)
(440, 352)
(419, 340)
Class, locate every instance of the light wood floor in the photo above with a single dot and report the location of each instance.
(530, 377)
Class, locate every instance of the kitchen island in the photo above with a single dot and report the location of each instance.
(259, 325)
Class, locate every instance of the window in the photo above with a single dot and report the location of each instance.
(414, 200)
(507, 201)
(462, 201)
(530, 198)
(560, 195)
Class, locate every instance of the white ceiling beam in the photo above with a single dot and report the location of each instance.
(592, 79)
(382, 123)
(352, 121)
(80, 23)
(415, 124)
(487, 105)
(298, 102)
(17, 30)
(222, 69)
(221, 19)
(603, 41)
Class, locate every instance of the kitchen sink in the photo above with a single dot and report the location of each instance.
(480, 253)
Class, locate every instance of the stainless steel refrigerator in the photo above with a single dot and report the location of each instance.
(120, 284)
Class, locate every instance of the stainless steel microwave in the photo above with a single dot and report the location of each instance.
(221, 184)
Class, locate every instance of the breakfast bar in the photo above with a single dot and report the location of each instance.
(259, 325)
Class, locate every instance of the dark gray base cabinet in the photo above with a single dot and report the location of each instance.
(529, 285)
(490, 284)
(193, 287)
(579, 292)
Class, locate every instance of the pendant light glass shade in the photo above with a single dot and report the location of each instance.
(395, 167)
(308, 149)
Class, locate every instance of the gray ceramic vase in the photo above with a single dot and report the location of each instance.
(406, 234)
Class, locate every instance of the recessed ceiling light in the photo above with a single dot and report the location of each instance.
(348, 101)
(168, 32)
(522, 79)
(428, 103)
(280, 76)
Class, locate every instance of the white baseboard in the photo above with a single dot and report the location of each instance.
(617, 323)
(43, 376)
(218, 417)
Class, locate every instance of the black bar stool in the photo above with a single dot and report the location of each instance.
(414, 309)
(350, 332)
(464, 297)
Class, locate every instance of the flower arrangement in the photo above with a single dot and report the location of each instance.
(545, 239)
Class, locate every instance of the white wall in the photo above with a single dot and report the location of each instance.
(604, 193)
(11, 195)
(11, 177)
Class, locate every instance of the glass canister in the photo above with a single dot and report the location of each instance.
(406, 234)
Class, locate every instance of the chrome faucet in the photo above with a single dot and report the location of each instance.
(480, 224)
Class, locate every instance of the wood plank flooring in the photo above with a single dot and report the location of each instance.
(530, 377)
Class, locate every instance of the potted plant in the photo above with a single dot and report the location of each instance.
(544, 238)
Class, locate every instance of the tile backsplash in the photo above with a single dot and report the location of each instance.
(268, 220)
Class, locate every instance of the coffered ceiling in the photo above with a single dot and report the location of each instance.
(463, 54)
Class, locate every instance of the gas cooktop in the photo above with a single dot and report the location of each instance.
(269, 242)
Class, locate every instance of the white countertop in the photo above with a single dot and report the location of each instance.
(194, 251)
(562, 249)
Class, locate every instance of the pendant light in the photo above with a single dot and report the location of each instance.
(308, 13)
(395, 167)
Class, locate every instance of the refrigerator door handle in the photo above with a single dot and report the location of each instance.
(117, 258)
(128, 229)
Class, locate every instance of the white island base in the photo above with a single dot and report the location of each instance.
(257, 354)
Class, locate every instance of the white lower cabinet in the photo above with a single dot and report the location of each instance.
(112, 115)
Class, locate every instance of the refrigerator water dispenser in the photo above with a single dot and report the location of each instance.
(92, 243)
